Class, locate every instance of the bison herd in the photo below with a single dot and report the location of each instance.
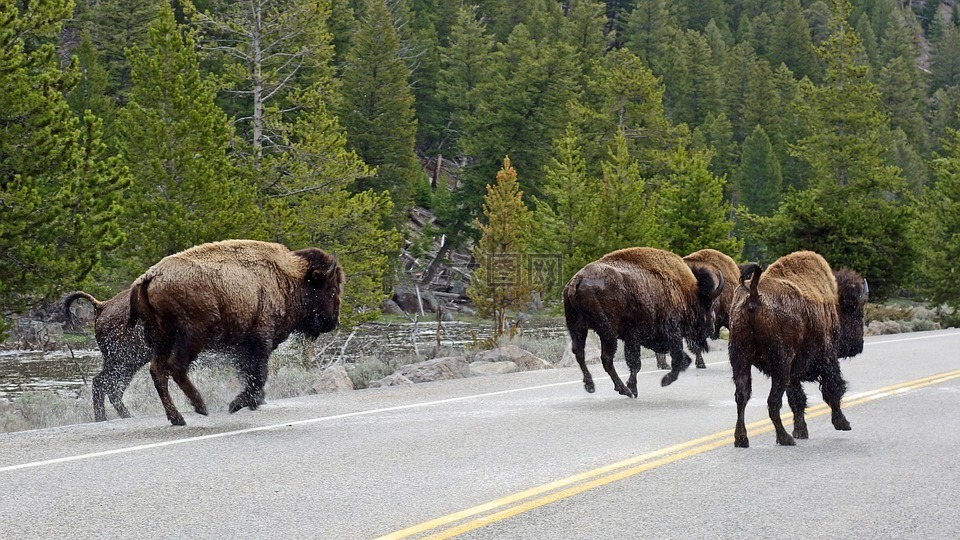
(793, 321)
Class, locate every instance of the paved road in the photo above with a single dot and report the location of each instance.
(525, 455)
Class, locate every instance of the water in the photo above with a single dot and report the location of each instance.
(66, 373)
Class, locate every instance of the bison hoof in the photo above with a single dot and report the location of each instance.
(701, 364)
(201, 409)
(786, 440)
(801, 432)
(663, 365)
(841, 424)
(589, 387)
(741, 442)
(668, 379)
(624, 391)
(178, 420)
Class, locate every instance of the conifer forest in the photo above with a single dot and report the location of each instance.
(134, 129)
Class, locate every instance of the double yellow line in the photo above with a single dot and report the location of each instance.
(479, 516)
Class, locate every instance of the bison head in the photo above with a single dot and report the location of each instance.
(853, 292)
(709, 286)
(322, 290)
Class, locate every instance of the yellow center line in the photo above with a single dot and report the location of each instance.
(585, 481)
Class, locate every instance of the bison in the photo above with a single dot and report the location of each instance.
(721, 307)
(794, 322)
(123, 349)
(647, 298)
(242, 296)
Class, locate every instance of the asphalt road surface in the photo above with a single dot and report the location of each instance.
(525, 455)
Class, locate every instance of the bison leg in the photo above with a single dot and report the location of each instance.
(179, 374)
(833, 387)
(774, 403)
(578, 342)
(679, 361)
(608, 349)
(161, 383)
(631, 350)
(253, 369)
(742, 381)
(700, 363)
(662, 361)
(99, 393)
(797, 399)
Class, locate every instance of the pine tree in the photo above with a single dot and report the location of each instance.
(855, 212)
(59, 195)
(378, 110)
(177, 143)
(791, 45)
(693, 213)
(315, 205)
(500, 282)
(940, 231)
(649, 33)
(759, 180)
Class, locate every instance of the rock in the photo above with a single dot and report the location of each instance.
(880, 328)
(492, 368)
(395, 379)
(451, 367)
(389, 307)
(333, 379)
(524, 360)
(591, 353)
(406, 297)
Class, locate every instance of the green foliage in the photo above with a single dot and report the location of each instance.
(176, 141)
(378, 111)
(59, 195)
(939, 229)
(500, 282)
(693, 213)
(759, 180)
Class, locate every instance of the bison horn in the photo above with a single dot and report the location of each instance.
(719, 288)
(333, 267)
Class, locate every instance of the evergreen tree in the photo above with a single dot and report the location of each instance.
(90, 93)
(378, 111)
(693, 213)
(759, 180)
(500, 282)
(751, 97)
(716, 136)
(903, 97)
(945, 56)
(177, 142)
(583, 30)
(59, 196)
(315, 206)
(648, 33)
(855, 212)
(940, 231)
(560, 219)
(624, 213)
(693, 82)
(791, 44)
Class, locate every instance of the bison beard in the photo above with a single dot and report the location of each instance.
(794, 322)
(241, 296)
(647, 298)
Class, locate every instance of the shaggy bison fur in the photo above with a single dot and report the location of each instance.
(646, 297)
(241, 296)
(794, 322)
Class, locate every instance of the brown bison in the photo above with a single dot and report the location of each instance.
(123, 349)
(730, 271)
(242, 296)
(794, 322)
(647, 298)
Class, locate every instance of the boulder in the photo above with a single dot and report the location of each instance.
(451, 367)
(492, 368)
(389, 307)
(591, 353)
(406, 297)
(524, 360)
(395, 379)
(333, 379)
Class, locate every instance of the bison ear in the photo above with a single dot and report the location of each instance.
(320, 274)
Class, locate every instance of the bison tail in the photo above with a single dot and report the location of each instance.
(68, 301)
(753, 300)
(138, 290)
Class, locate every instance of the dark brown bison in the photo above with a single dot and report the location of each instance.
(123, 349)
(646, 297)
(241, 296)
(794, 322)
(730, 271)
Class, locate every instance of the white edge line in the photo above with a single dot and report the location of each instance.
(345, 415)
